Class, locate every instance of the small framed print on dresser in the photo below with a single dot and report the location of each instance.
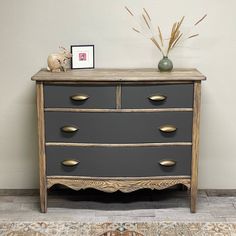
(82, 57)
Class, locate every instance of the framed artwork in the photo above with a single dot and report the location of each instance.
(82, 56)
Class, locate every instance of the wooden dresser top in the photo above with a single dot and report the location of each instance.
(116, 75)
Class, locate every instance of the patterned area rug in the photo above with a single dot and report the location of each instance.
(117, 229)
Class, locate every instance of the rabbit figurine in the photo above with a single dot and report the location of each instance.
(57, 61)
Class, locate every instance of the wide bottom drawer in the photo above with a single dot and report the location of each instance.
(119, 161)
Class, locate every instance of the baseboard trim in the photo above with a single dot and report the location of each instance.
(221, 192)
(19, 192)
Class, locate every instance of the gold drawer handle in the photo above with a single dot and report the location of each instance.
(69, 129)
(79, 97)
(157, 98)
(70, 163)
(167, 163)
(168, 128)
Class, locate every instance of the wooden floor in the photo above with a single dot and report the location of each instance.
(143, 205)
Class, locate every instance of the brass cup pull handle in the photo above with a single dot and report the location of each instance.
(69, 129)
(157, 98)
(79, 97)
(167, 163)
(70, 163)
(167, 128)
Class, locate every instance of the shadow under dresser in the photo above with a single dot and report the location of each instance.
(118, 129)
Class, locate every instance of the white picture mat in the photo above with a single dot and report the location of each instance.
(77, 51)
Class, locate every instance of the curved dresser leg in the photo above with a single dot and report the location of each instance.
(193, 201)
(43, 200)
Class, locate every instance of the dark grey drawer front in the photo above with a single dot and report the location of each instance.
(118, 127)
(60, 96)
(119, 162)
(177, 95)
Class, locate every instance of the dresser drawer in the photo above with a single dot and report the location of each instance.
(119, 161)
(79, 96)
(117, 127)
(157, 96)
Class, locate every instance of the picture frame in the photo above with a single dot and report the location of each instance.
(82, 57)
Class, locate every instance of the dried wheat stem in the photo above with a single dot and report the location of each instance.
(171, 37)
(128, 10)
(146, 21)
(192, 36)
(157, 45)
(173, 29)
(174, 34)
(136, 30)
(200, 20)
(147, 14)
(177, 40)
(160, 36)
(178, 25)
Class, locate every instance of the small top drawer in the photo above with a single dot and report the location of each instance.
(157, 96)
(79, 96)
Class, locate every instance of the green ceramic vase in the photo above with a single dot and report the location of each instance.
(165, 65)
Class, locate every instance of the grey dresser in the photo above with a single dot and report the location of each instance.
(118, 129)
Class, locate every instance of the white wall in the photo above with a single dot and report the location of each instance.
(31, 29)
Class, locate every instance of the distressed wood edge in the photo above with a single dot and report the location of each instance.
(117, 144)
(118, 97)
(120, 75)
(124, 185)
(119, 178)
(109, 83)
(118, 109)
(41, 146)
(195, 144)
(116, 79)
